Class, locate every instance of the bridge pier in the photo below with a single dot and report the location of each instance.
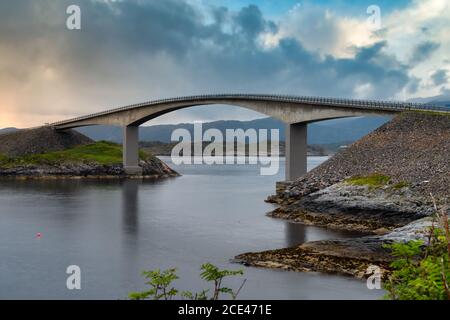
(131, 150)
(296, 150)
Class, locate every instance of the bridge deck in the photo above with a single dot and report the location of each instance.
(393, 106)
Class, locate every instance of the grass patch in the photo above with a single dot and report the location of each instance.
(400, 185)
(3, 158)
(429, 112)
(102, 152)
(373, 180)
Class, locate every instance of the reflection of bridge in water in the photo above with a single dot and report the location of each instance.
(295, 111)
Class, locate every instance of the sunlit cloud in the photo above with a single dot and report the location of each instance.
(131, 51)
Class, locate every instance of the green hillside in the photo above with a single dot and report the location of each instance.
(102, 152)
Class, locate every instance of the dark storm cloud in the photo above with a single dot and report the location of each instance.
(114, 32)
(440, 77)
(423, 51)
(413, 85)
(134, 50)
(149, 26)
(251, 22)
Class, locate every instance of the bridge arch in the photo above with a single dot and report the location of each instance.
(295, 111)
(287, 109)
(296, 121)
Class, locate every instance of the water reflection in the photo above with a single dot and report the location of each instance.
(295, 234)
(114, 229)
(130, 205)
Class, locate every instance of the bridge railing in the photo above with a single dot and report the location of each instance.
(339, 102)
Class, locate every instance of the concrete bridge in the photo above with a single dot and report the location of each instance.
(295, 111)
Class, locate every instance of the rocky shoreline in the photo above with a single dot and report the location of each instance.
(388, 213)
(159, 148)
(350, 257)
(151, 169)
(412, 152)
(357, 208)
(44, 153)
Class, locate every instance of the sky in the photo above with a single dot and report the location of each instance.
(130, 51)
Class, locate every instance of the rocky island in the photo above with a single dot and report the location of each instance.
(44, 153)
(383, 184)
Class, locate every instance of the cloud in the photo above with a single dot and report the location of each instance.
(406, 29)
(423, 51)
(413, 85)
(440, 77)
(320, 30)
(132, 51)
(250, 21)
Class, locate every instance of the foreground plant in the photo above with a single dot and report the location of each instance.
(422, 270)
(160, 283)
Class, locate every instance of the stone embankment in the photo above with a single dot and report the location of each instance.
(412, 150)
(412, 155)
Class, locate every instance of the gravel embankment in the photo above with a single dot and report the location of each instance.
(413, 148)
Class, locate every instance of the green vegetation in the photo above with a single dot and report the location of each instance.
(160, 284)
(429, 112)
(3, 159)
(102, 152)
(422, 272)
(376, 181)
(401, 184)
(373, 180)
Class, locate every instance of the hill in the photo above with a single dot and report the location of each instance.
(442, 100)
(165, 149)
(413, 148)
(33, 141)
(380, 185)
(323, 132)
(8, 130)
(47, 153)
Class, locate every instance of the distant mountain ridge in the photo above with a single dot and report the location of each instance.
(7, 130)
(442, 100)
(323, 132)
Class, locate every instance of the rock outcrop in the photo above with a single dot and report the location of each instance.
(19, 145)
(345, 256)
(414, 147)
(359, 208)
(412, 152)
(39, 140)
(151, 169)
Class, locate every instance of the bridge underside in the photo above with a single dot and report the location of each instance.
(295, 152)
(131, 150)
(296, 115)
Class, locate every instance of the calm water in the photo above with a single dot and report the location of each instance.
(113, 230)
